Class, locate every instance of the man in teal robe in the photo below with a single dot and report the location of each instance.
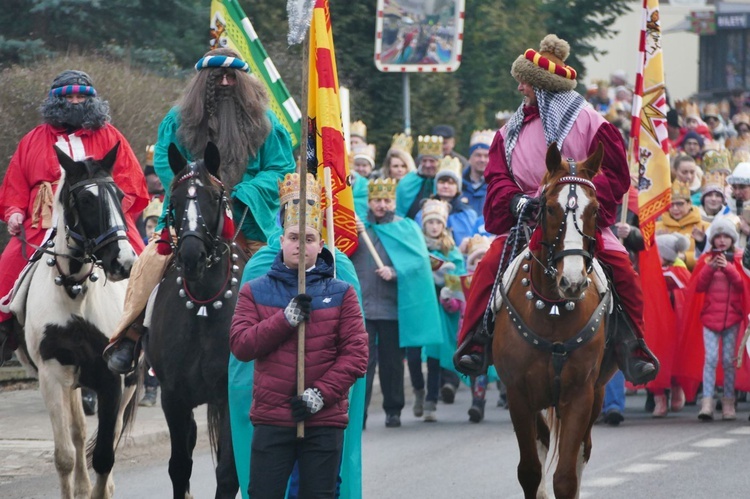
(419, 184)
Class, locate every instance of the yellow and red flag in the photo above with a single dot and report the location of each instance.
(650, 160)
(325, 142)
(649, 143)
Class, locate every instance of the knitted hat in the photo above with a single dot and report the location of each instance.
(474, 248)
(722, 225)
(692, 134)
(670, 245)
(740, 175)
(546, 69)
(450, 167)
(72, 81)
(435, 209)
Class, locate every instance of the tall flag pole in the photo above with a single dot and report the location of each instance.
(231, 28)
(649, 141)
(649, 158)
(325, 146)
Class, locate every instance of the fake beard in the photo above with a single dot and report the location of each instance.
(92, 114)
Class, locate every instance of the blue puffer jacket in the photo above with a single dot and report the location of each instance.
(336, 345)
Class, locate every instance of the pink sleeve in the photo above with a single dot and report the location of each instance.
(613, 180)
(251, 337)
(500, 190)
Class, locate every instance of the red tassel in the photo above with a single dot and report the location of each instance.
(227, 233)
(164, 245)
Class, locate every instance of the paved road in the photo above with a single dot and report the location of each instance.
(676, 457)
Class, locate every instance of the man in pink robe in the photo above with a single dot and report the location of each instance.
(553, 112)
(77, 122)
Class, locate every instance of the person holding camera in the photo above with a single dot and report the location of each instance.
(719, 293)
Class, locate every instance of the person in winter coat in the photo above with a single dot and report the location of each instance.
(684, 218)
(264, 329)
(721, 280)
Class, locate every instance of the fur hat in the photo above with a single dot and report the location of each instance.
(722, 225)
(670, 245)
(546, 69)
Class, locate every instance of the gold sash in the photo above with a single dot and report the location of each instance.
(42, 209)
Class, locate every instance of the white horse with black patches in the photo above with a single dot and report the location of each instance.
(68, 311)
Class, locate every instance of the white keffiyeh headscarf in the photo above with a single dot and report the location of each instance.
(557, 110)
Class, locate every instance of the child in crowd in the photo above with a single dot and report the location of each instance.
(446, 260)
(474, 249)
(264, 329)
(719, 277)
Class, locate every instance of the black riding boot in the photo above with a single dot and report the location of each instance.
(635, 360)
(472, 357)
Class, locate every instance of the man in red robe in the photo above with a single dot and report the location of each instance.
(77, 122)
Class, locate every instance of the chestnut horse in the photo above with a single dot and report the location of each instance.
(549, 341)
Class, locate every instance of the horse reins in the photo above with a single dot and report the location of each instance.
(558, 350)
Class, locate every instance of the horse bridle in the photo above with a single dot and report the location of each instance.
(213, 243)
(90, 245)
(553, 255)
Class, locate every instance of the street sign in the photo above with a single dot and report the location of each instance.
(419, 35)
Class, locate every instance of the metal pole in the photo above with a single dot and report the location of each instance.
(407, 105)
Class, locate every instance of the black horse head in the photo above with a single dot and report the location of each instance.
(199, 211)
(94, 222)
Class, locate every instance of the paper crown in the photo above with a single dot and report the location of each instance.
(435, 209)
(430, 145)
(716, 161)
(482, 137)
(449, 167)
(403, 142)
(154, 208)
(289, 200)
(358, 129)
(149, 155)
(680, 190)
(381, 188)
(711, 110)
(475, 247)
(741, 118)
(367, 152)
(740, 155)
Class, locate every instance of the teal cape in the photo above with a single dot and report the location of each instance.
(418, 310)
(360, 193)
(407, 190)
(448, 321)
(241, 389)
(259, 188)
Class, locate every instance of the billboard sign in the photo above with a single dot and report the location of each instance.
(419, 35)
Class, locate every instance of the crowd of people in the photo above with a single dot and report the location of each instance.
(432, 229)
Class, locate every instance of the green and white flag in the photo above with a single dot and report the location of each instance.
(231, 28)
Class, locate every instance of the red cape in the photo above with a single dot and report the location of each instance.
(688, 365)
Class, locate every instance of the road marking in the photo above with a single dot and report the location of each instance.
(744, 430)
(607, 481)
(644, 468)
(714, 442)
(676, 456)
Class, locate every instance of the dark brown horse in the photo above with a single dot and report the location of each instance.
(549, 342)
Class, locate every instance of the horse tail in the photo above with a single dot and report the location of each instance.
(216, 413)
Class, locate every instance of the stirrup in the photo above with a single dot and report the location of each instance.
(637, 363)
